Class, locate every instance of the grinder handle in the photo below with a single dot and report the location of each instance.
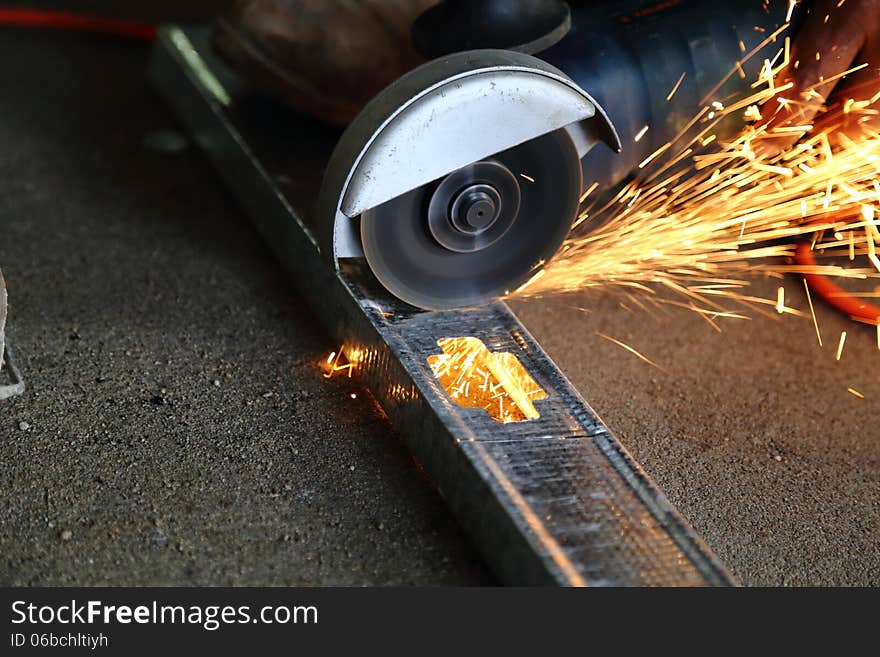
(528, 26)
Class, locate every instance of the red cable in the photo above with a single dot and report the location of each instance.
(861, 311)
(67, 21)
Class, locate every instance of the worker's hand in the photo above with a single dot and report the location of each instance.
(324, 57)
(835, 37)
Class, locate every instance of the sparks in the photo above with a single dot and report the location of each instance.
(676, 86)
(780, 300)
(333, 363)
(855, 392)
(641, 133)
(840, 346)
(816, 322)
(589, 191)
(709, 211)
(494, 381)
(629, 349)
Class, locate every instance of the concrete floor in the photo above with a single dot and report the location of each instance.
(131, 273)
(751, 433)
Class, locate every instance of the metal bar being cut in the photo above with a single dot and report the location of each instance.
(552, 500)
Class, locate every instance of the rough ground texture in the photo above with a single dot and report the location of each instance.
(176, 429)
(751, 433)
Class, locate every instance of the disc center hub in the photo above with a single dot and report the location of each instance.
(475, 209)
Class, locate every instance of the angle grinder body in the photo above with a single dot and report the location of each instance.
(655, 64)
(461, 179)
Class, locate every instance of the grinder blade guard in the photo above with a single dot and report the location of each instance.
(462, 178)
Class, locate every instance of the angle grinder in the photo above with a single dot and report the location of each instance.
(461, 179)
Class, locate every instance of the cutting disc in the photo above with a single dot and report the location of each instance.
(480, 232)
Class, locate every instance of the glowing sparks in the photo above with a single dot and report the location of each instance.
(631, 350)
(816, 322)
(341, 360)
(589, 191)
(534, 278)
(653, 156)
(676, 86)
(780, 300)
(840, 346)
(855, 393)
(529, 178)
(752, 113)
(710, 210)
(494, 381)
(640, 133)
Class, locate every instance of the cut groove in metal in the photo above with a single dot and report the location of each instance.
(475, 377)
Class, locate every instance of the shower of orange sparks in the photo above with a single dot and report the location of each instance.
(471, 374)
(713, 211)
(494, 381)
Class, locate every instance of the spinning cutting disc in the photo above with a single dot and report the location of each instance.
(481, 231)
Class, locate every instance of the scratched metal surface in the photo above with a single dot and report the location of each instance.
(556, 500)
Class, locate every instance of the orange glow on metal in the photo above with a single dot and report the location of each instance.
(341, 360)
(475, 377)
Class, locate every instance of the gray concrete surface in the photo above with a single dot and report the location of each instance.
(751, 433)
(177, 429)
